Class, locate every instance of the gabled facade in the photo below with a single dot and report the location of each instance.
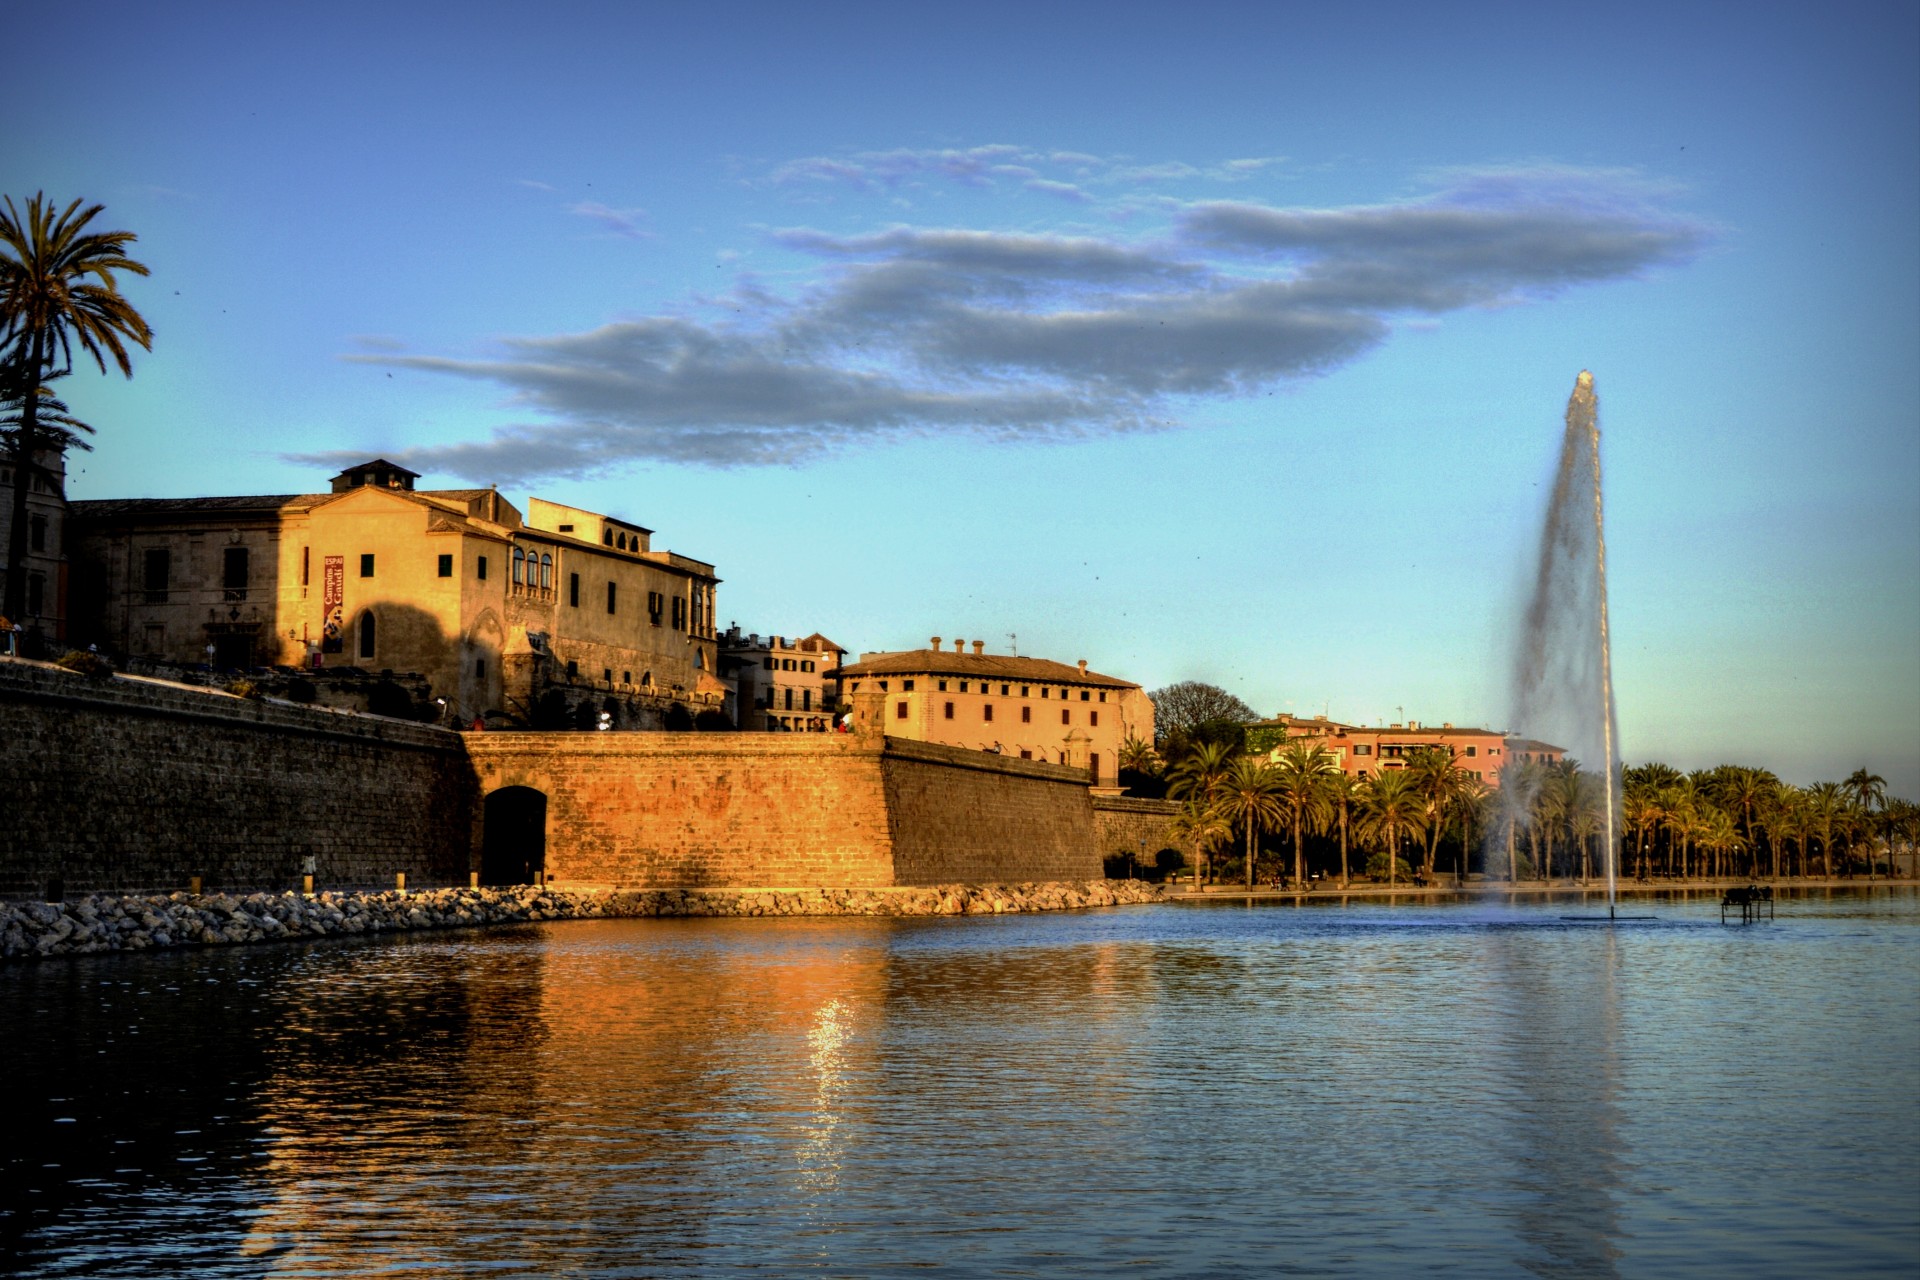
(1027, 707)
(498, 611)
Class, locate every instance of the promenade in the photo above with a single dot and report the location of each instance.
(1446, 887)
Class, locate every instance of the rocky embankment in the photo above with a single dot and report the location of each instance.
(137, 922)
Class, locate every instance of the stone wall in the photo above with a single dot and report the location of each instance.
(126, 784)
(974, 815)
(697, 810)
(1128, 824)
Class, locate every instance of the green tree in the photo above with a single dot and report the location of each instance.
(1826, 805)
(1869, 791)
(1342, 794)
(1180, 710)
(58, 291)
(1202, 826)
(1303, 771)
(1442, 784)
(1391, 807)
(1250, 800)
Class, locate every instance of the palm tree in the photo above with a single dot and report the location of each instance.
(1720, 835)
(1391, 806)
(1201, 825)
(1826, 803)
(1200, 772)
(1250, 799)
(1438, 779)
(1470, 808)
(57, 290)
(1341, 792)
(1869, 791)
(1303, 772)
(1586, 816)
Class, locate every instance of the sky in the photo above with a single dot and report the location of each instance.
(1222, 342)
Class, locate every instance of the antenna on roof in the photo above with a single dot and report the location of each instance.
(1013, 644)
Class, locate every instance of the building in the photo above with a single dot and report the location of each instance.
(553, 617)
(44, 620)
(1029, 707)
(782, 684)
(1362, 752)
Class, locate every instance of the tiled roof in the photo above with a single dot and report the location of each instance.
(933, 662)
(120, 508)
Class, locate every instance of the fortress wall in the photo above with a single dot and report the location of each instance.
(689, 810)
(1131, 824)
(972, 816)
(132, 785)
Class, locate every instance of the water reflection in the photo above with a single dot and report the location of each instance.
(1168, 1092)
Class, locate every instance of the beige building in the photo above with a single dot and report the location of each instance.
(1362, 752)
(782, 684)
(44, 621)
(1028, 707)
(532, 616)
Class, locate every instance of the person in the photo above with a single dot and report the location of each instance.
(6, 637)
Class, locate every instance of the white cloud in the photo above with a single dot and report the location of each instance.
(1009, 335)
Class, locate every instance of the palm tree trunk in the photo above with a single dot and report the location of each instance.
(1249, 852)
(26, 445)
(1344, 879)
(1299, 862)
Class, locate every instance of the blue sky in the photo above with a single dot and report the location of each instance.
(1219, 342)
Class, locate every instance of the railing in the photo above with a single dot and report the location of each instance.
(233, 595)
(530, 591)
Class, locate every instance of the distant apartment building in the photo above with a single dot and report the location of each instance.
(1028, 707)
(533, 616)
(782, 684)
(1362, 752)
(44, 619)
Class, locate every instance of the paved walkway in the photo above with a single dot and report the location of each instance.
(1445, 887)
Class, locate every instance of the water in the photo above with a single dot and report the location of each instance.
(1164, 1091)
(1563, 670)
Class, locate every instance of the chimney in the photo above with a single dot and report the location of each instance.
(1083, 666)
(1413, 724)
(1446, 724)
(979, 647)
(959, 646)
(935, 644)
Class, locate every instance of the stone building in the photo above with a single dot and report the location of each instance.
(1362, 752)
(553, 616)
(44, 621)
(782, 684)
(1028, 707)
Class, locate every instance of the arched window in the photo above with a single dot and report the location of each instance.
(367, 637)
(620, 541)
(546, 571)
(519, 565)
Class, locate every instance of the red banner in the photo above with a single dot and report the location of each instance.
(333, 599)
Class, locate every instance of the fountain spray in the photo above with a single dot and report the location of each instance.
(1563, 673)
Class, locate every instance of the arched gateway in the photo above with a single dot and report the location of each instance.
(513, 848)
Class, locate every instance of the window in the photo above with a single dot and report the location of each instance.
(806, 699)
(607, 675)
(613, 596)
(606, 536)
(366, 565)
(1363, 749)
(626, 677)
(480, 668)
(786, 664)
(1026, 754)
(1103, 695)
(37, 534)
(480, 568)
(806, 666)
(656, 604)
(963, 687)
(233, 569)
(907, 685)
(986, 713)
(899, 711)
(546, 572)
(1026, 715)
(1472, 750)
(943, 686)
(573, 590)
(1093, 764)
(304, 566)
(1044, 693)
(1093, 719)
(1086, 695)
(446, 566)
(155, 566)
(789, 706)
(680, 616)
(767, 663)
(1006, 690)
(566, 528)
(519, 566)
(620, 542)
(1066, 716)
(367, 636)
(948, 710)
(573, 669)
(1023, 690)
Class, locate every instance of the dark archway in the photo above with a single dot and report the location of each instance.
(677, 719)
(513, 839)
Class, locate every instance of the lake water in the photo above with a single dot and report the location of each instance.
(1184, 1090)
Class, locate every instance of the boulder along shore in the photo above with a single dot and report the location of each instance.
(141, 922)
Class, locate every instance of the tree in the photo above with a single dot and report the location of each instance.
(1200, 773)
(1342, 793)
(1826, 803)
(1250, 800)
(1391, 806)
(1869, 791)
(1202, 826)
(1303, 771)
(1181, 709)
(1440, 782)
(57, 291)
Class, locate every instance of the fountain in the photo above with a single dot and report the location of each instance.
(1563, 677)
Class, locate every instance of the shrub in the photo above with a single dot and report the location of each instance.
(87, 662)
(244, 688)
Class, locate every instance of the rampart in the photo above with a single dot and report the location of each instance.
(130, 785)
(1134, 825)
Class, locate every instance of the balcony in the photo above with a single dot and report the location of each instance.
(233, 595)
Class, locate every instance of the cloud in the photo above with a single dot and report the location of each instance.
(1067, 174)
(622, 222)
(1032, 336)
